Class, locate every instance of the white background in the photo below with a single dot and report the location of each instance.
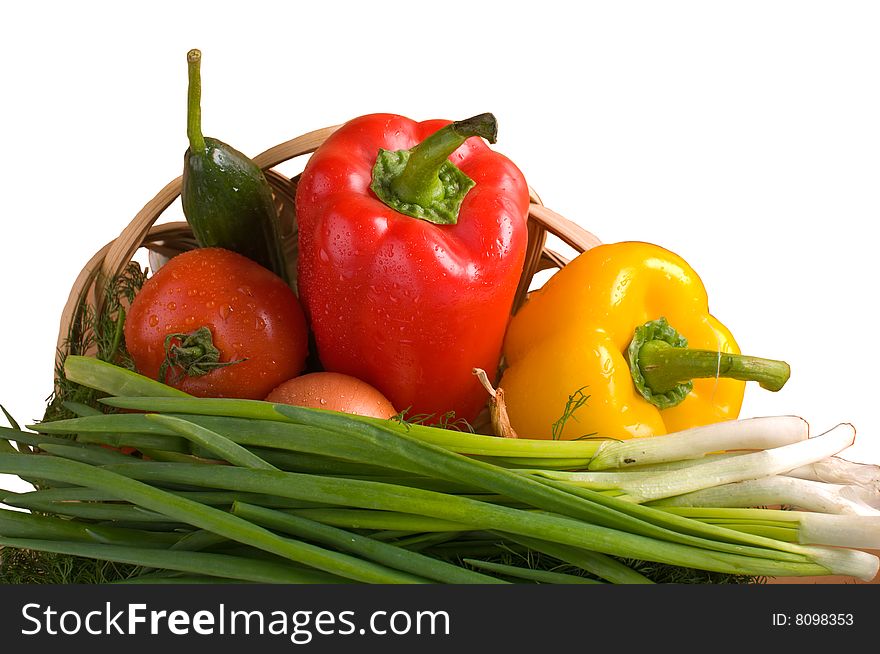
(745, 136)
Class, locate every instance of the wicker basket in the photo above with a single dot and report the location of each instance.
(165, 240)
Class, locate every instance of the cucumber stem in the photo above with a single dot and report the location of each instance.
(194, 100)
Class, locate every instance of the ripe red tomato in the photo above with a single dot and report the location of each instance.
(214, 298)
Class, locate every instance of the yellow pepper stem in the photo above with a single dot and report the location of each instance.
(663, 366)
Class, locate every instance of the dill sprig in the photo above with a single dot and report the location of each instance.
(99, 333)
(445, 421)
(661, 573)
(18, 566)
(575, 401)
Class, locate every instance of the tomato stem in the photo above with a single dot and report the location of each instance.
(191, 355)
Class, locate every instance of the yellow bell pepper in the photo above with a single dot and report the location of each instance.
(604, 349)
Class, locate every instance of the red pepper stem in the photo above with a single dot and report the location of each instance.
(419, 183)
(194, 102)
(664, 367)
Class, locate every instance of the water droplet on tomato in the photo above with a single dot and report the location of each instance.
(322, 254)
(225, 311)
(172, 306)
(153, 320)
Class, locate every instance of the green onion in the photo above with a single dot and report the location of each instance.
(837, 470)
(199, 515)
(540, 576)
(126, 513)
(96, 456)
(391, 555)
(383, 520)
(764, 463)
(851, 531)
(212, 442)
(462, 442)
(419, 542)
(750, 434)
(18, 524)
(181, 579)
(80, 409)
(516, 486)
(137, 441)
(778, 490)
(214, 498)
(12, 422)
(28, 438)
(198, 540)
(445, 464)
(243, 431)
(374, 495)
(114, 380)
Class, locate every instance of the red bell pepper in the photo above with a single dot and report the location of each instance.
(412, 238)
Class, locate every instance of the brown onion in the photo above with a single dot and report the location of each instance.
(335, 392)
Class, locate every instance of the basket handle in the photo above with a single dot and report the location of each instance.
(544, 221)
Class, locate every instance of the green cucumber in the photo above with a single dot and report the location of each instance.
(226, 198)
